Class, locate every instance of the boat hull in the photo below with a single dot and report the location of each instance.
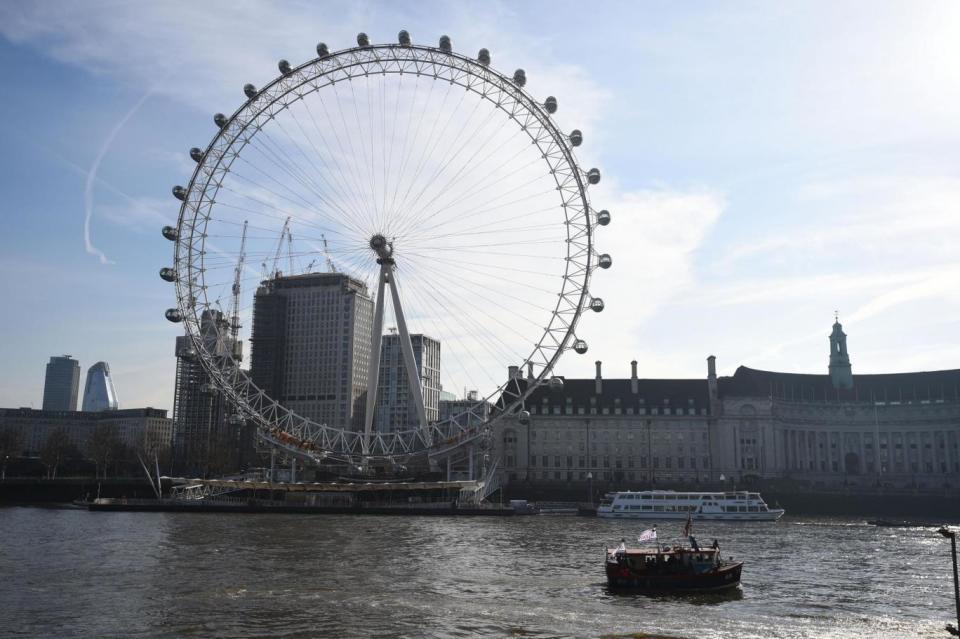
(726, 577)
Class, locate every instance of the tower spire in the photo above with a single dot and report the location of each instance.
(841, 374)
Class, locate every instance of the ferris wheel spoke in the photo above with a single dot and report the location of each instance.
(363, 156)
(313, 206)
(408, 146)
(448, 287)
(347, 157)
(285, 213)
(274, 152)
(452, 153)
(304, 178)
(342, 154)
(447, 333)
(495, 285)
(433, 139)
(502, 173)
(484, 343)
(425, 209)
(338, 187)
(499, 228)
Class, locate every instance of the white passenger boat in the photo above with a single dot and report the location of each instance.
(668, 504)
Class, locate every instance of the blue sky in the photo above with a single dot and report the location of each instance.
(765, 165)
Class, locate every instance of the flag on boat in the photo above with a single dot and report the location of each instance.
(688, 527)
(648, 535)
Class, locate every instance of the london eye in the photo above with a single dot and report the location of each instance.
(439, 186)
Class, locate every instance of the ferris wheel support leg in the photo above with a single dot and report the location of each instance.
(293, 470)
(470, 462)
(373, 372)
(273, 463)
(406, 346)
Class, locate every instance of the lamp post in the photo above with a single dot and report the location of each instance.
(5, 459)
(946, 532)
(590, 488)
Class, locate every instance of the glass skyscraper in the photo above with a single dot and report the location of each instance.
(99, 393)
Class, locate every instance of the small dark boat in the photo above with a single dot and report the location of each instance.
(671, 569)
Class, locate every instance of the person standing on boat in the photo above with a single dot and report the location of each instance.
(622, 548)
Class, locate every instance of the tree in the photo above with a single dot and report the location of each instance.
(103, 448)
(11, 445)
(55, 450)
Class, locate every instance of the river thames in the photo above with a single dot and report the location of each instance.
(71, 573)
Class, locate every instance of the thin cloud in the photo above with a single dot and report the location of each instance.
(92, 177)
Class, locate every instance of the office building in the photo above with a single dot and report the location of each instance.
(61, 384)
(310, 345)
(209, 436)
(99, 393)
(394, 407)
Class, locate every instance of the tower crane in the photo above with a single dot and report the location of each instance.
(326, 253)
(284, 233)
(237, 271)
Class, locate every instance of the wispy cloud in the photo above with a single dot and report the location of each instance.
(92, 177)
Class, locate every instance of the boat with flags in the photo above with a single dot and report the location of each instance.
(653, 568)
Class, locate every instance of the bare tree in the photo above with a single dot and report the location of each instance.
(55, 450)
(103, 448)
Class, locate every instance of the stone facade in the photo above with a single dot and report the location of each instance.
(895, 430)
(138, 428)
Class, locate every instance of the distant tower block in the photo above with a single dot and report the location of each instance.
(61, 384)
(840, 373)
(99, 393)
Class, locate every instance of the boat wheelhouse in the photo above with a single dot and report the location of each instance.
(668, 504)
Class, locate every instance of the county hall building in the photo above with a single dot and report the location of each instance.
(899, 430)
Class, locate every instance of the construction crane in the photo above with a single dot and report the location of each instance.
(326, 253)
(290, 249)
(284, 234)
(237, 271)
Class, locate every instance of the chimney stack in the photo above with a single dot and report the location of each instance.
(634, 383)
(530, 371)
(513, 372)
(712, 377)
(599, 379)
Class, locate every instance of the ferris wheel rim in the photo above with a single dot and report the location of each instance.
(577, 270)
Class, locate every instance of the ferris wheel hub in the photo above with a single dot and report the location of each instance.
(381, 247)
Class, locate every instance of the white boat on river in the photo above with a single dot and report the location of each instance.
(668, 504)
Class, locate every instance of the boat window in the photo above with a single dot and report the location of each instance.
(658, 509)
(645, 507)
(645, 497)
(754, 509)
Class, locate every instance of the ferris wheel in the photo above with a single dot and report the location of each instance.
(441, 190)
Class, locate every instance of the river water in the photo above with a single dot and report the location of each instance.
(71, 573)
